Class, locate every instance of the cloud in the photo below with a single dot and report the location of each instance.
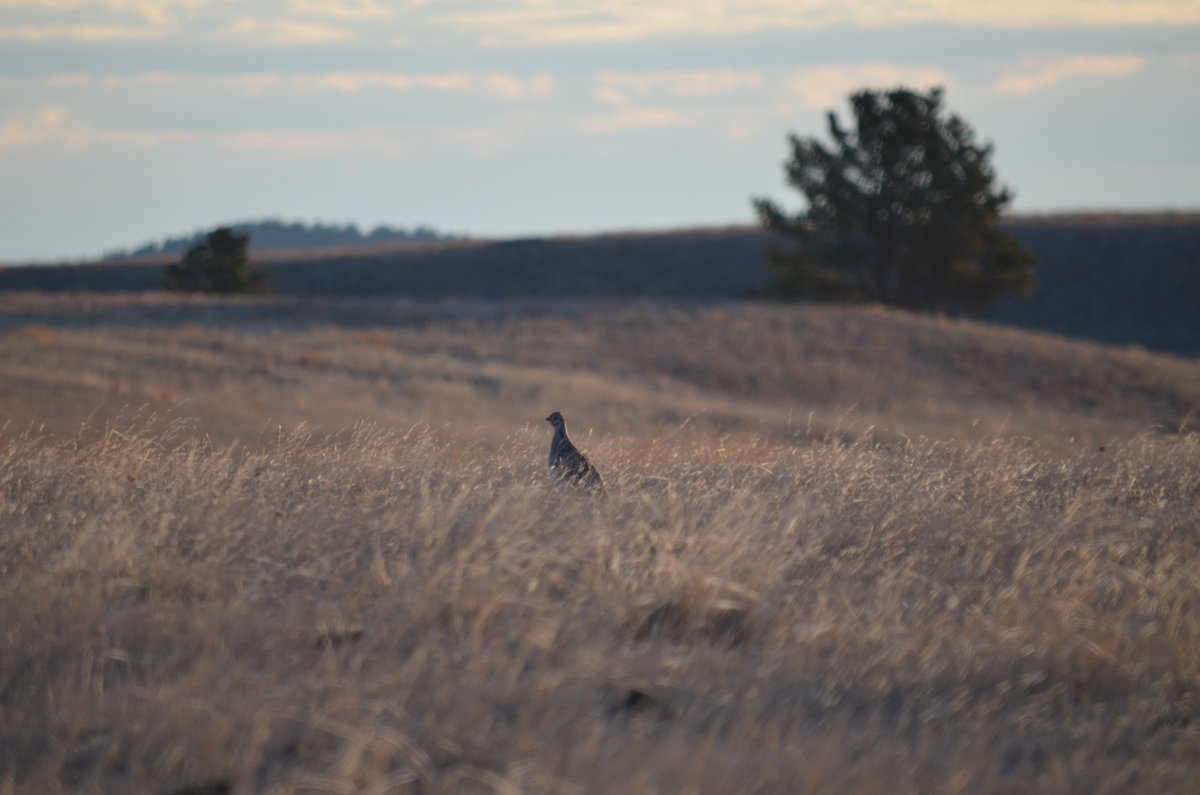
(150, 10)
(341, 10)
(81, 80)
(507, 22)
(31, 130)
(252, 85)
(85, 33)
(632, 119)
(303, 143)
(484, 140)
(285, 32)
(826, 87)
(53, 126)
(278, 22)
(546, 22)
(615, 88)
(502, 132)
(497, 85)
(248, 83)
(69, 80)
(1035, 73)
(96, 20)
(136, 139)
(612, 96)
(589, 21)
(492, 84)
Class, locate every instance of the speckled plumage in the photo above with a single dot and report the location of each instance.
(566, 463)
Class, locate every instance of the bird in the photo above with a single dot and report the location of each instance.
(567, 464)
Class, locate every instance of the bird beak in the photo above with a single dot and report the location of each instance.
(547, 419)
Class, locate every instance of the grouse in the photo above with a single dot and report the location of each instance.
(567, 464)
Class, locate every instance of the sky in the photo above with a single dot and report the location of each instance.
(125, 121)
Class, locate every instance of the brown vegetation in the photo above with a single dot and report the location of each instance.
(244, 367)
(841, 550)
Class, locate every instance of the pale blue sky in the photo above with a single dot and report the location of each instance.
(123, 121)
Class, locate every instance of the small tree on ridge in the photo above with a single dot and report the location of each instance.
(220, 264)
(903, 209)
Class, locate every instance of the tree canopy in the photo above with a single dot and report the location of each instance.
(903, 209)
(220, 264)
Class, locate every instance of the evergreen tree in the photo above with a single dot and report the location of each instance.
(904, 210)
(218, 265)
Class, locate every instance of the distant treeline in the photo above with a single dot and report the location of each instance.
(1125, 280)
(272, 235)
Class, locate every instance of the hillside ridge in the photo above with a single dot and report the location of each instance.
(1117, 279)
(729, 367)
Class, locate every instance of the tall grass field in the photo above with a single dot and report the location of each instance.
(306, 546)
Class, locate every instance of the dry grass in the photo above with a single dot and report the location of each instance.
(756, 605)
(388, 612)
(243, 368)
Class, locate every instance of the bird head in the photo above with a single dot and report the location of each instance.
(556, 419)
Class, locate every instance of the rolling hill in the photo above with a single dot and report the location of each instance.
(308, 544)
(1118, 279)
(633, 367)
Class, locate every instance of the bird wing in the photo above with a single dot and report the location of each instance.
(569, 464)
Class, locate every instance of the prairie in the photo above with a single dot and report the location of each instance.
(290, 545)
